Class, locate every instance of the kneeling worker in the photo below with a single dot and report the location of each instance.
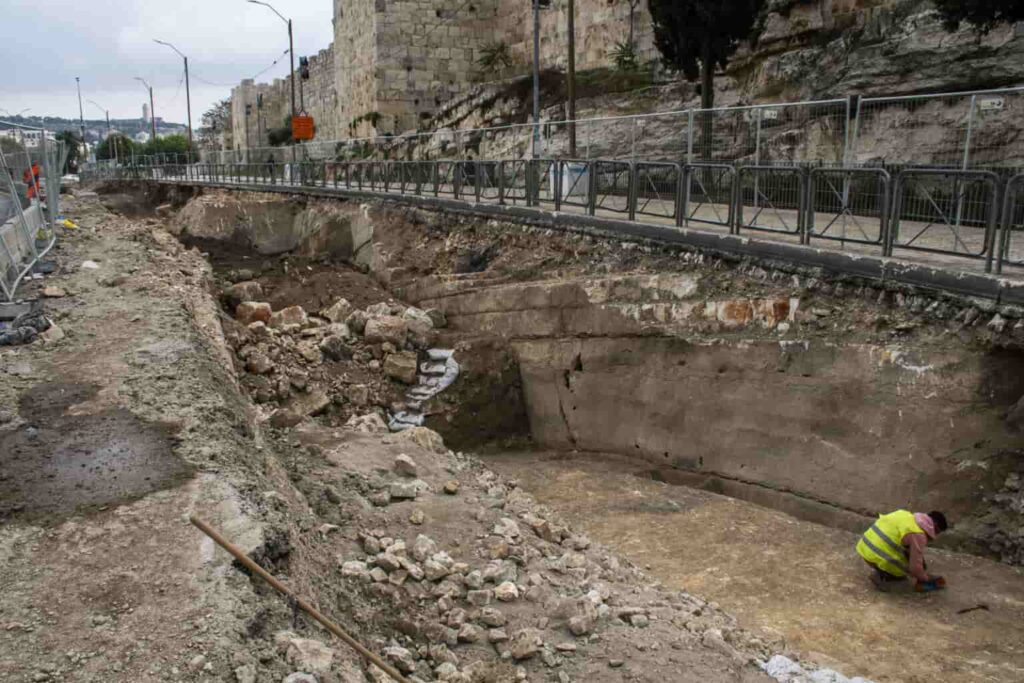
(894, 547)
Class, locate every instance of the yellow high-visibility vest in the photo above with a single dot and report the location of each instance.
(882, 544)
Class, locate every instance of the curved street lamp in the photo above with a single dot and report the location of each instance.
(291, 47)
(188, 96)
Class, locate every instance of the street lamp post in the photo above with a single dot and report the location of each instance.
(188, 96)
(536, 76)
(110, 140)
(152, 109)
(81, 119)
(291, 48)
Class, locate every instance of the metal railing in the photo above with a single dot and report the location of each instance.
(962, 216)
(1011, 251)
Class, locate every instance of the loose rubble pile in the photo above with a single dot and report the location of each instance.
(336, 362)
(458, 575)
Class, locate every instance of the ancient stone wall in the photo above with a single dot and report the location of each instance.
(398, 63)
(600, 24)
(319, 94)
(426, 53)
(355, 40)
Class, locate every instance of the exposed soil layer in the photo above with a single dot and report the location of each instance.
(287, 280)
(58, 463)
(788, 578)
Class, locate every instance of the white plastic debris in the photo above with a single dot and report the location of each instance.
(90, 265)
(785, 670)
(435, 375)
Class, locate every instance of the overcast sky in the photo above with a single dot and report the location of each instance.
(47, 43)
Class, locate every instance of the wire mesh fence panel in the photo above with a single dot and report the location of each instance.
(1011, 243)
(657, 190)
(798, 133)
(848, 205)
(997, 131)
(611, 185)
(708, 194)
(31, 166)
(770, 199)
(962, 130)
(945, 211)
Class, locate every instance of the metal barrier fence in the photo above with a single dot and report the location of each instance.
(981, 129)
(958, 215)
(30, 175)
(1011, 251)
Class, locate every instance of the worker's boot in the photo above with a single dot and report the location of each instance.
(880, 583)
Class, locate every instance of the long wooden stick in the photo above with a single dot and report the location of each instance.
(303, 605)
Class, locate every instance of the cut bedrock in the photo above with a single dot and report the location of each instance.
(829, 399)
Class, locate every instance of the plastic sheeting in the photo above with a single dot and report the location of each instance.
(438, 372)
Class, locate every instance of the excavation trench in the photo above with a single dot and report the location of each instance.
(729, 428)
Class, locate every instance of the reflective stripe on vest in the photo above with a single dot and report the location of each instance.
(882, 544)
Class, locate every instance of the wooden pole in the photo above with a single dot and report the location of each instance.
(259, 571)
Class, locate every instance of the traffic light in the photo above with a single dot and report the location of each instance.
(304, 68)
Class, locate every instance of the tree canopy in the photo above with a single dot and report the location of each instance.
(984, 15)
(216, 120)
(116, 146)
(73, 142)
(696, 36)
(170, 144)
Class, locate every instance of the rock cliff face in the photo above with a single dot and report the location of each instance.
(830, 48)
(803, 50)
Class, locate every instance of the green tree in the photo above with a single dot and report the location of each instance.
(216, 120)
(73, 142)
(116, 146)
(696, 36)
(170, 144)
(984, 15)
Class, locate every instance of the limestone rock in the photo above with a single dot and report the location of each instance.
(300, 677)
(423, 437)
(386, 328)
(310, 655)
(371, 423)
(293, 315)
(423, 547)
(437, 317)
(54, 292)
(338, 312)
(334, 348)
(506, 592)
(405, 466)
(403, 490)
(250, 311)
(356, 321)
(243, 291)
(490, 616)
(526, 643)
(401, 658)
(470, 633)
(299, 408)
(355, 569)
(259, 364)
(401, 366)
(420, 327)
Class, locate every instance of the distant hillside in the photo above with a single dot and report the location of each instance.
(95, 129)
